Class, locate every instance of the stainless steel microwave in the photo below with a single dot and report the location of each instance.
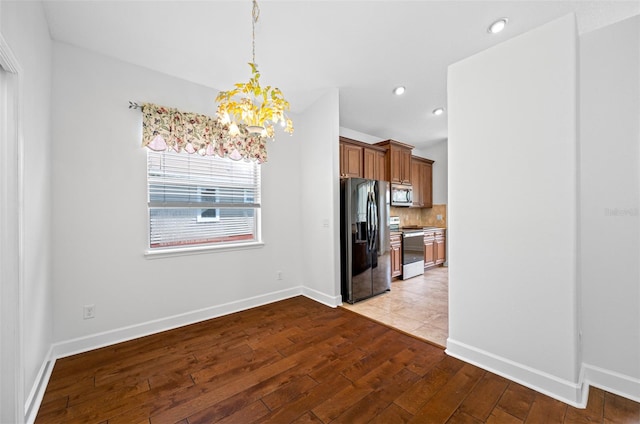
(401, 195)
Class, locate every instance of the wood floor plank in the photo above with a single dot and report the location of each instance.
(421, 392)
(593, 413)
(309, 400)
(517, 401)
(445, 402)
(393, 414)
(460, 417)
(296, 361)
(620, 410)
(546, 410)
(387, 387)
(484, 397)
(499, 416)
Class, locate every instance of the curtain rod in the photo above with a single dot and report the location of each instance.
(134, 105)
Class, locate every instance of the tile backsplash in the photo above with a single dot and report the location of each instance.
(424, 217)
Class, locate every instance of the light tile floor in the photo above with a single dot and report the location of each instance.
(418, 306)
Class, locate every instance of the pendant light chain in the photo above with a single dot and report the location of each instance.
(255, 14)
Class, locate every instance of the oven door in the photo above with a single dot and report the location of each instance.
(412, 254)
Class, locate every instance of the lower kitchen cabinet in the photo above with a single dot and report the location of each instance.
(435, 251)
(396, 255)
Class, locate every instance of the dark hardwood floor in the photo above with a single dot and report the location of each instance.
(296, 361)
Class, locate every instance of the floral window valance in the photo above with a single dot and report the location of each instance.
(166, 128)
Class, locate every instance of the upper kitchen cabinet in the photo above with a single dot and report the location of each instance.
(375, 166)
(422, 181)
(351, 160)
(362, 160)
(398, 161)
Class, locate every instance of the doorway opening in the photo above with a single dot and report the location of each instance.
(11, 370)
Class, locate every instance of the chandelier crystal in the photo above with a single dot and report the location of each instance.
(250, 108)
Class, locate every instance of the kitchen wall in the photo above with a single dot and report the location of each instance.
(100, 212)
(512, 153)
(609, 195)
(23, 26)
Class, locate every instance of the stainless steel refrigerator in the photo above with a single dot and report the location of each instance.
(365, 265)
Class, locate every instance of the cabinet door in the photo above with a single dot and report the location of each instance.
(369, 171)
(429, 250)
(427, 185)
(395, 165)
(351, 161)
(405, 166)
(440, 248)
(396, 256)
(381, 166)
(416, 173)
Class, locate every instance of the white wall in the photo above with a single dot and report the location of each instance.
(359, 136)
(512, 209)
(25, 30)
(438, 153)
(100, 212)
(320, 199)
(609, 190)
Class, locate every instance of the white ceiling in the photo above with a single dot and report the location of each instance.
(364, 48)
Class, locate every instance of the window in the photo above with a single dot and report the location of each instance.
(208, 195)
(201, 200)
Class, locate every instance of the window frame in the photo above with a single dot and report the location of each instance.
(179, 250)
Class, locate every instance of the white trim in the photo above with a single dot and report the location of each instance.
(107, 338)
(612, 382)
(325, 299)
(198, 250)
(10, 139)
(574, 394)
(32, 404)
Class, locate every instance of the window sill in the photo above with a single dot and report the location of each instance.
(183, 251)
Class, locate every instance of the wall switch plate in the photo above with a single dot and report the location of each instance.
(279, 275)
(439, 217)
(88, 311)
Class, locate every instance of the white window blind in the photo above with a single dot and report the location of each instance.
(200, 200)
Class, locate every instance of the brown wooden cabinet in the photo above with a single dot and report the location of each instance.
(351, 161)
(422, 181)
(396, 255)
(440, 247)
(374, 164)
(361, 160)
(429, 250)
(435, 251)
(418, 175)
(398, 160)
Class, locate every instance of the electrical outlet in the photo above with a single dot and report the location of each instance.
(89, 311)
(279, 275)
(439, 217)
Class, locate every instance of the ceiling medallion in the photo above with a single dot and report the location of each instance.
(249, 108)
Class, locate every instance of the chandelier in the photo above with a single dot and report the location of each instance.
(250, 109)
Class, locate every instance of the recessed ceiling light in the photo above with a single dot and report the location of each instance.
(439, 111)
(497, 26)
(398, 90)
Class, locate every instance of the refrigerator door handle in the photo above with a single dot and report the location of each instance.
(372, 220)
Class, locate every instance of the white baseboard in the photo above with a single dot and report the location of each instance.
(331, 301)
(575, 394)
(612, 382)
(33, 401)
(107, 338)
